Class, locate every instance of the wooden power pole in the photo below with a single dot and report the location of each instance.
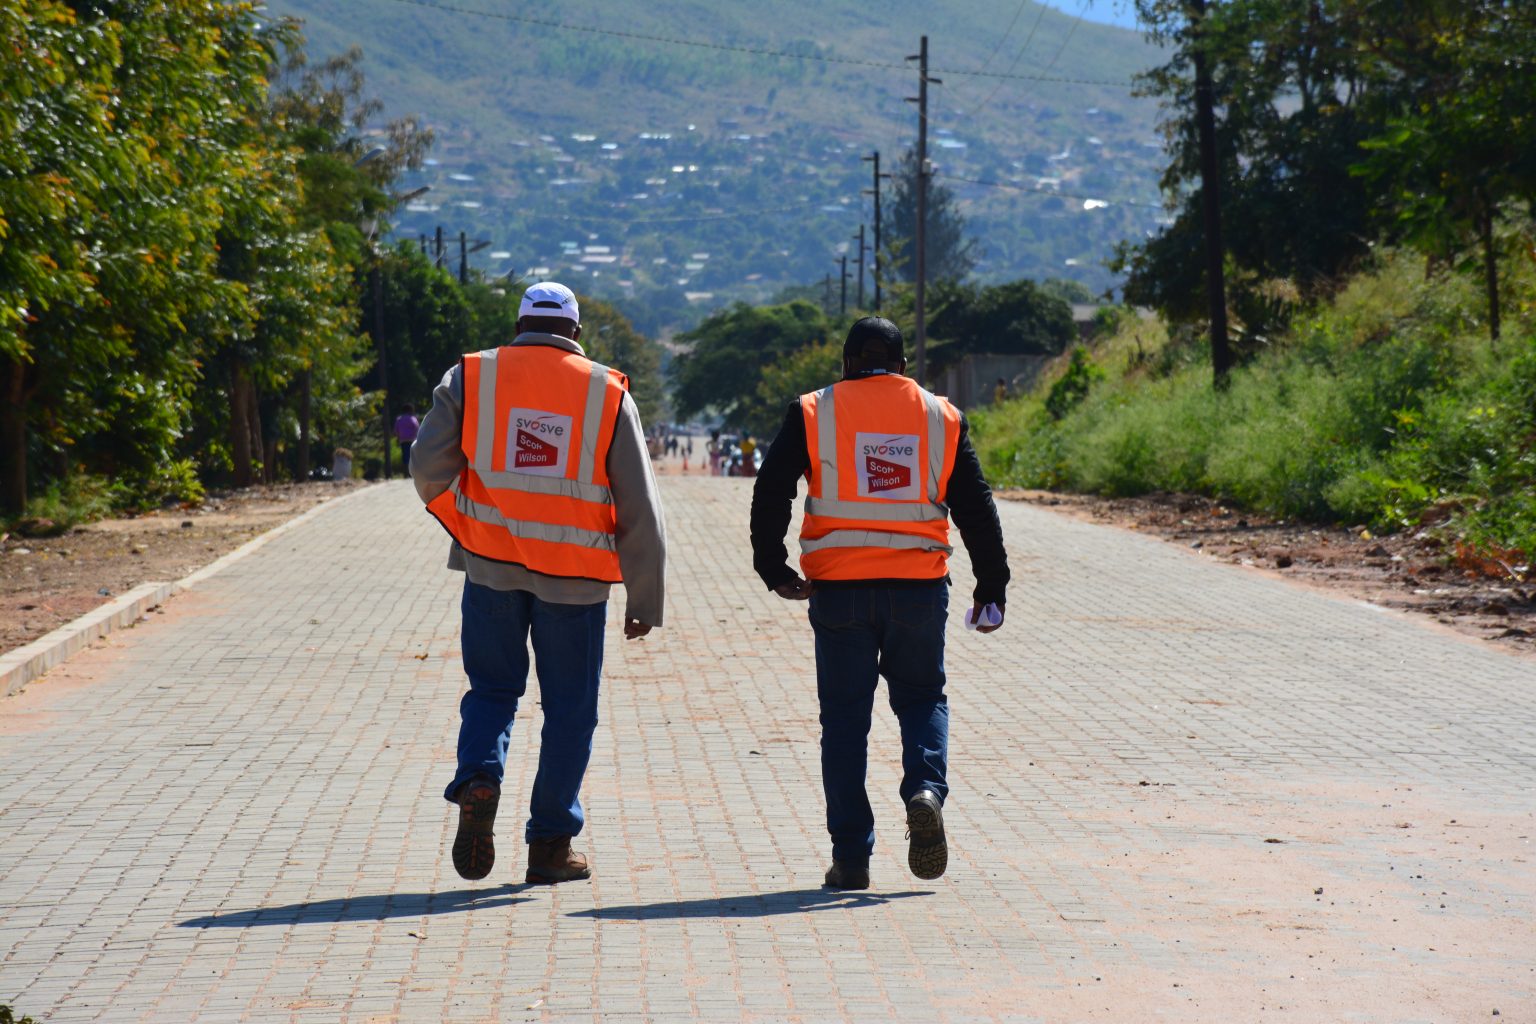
(920, 331)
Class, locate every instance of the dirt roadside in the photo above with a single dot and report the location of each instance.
(46, 582)
(1409, 572)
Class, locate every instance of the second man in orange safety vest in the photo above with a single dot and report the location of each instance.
(887, 464)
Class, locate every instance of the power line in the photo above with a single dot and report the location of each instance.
(1017, 57)
(1050, 192)
(756, 51)
(1082, 8)
(1004, 37)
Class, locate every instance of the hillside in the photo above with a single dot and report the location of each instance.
(673, 178)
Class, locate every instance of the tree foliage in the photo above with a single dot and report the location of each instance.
(1019, 317)
(192, 286)
(950, 255)
(728, 353)
(1342, 123)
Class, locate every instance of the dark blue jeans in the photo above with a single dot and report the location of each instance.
(568, 657)
(863, 633)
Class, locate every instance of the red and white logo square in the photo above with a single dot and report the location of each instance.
(888, 466)
(538, 442)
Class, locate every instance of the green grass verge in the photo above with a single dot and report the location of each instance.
(1387, 407)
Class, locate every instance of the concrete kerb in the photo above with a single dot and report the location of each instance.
(21, 666)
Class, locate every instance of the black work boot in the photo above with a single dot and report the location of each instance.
(927, 852)
(474, 849)
(847, 874)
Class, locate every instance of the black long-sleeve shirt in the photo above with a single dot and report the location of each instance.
(968, 497)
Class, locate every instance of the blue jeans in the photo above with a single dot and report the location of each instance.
(863, 633)
(568, 656)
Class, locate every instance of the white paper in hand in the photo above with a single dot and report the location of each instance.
(991, 615)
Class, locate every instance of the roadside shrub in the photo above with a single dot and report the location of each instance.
(1073, 386)
(66, 504)
(1387, 407)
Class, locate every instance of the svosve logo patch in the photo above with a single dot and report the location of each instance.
(538, 442)
(888, 466)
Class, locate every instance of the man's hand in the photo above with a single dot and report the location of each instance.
(1002, 612)
(634, 629)
(799, 590)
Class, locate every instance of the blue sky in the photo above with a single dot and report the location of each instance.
(1108, 12)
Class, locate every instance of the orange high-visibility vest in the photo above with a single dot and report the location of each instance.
(538, 423)
(881, 451)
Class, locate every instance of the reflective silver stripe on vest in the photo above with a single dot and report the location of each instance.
(826, 440)
(491, 515)
(936, 444)
(891, 512)
(485, 421)
(592, 422)
(872, 539)
(559, 486)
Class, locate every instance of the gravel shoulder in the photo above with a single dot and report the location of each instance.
(1408, 572)
(46, 582)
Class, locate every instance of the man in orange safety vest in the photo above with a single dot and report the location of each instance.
(887, 464)
(533, 459)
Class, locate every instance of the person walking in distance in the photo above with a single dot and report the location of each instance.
(533, 458)
(887, 463)
(407, 426)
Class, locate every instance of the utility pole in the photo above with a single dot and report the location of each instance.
(463, 258)
(437, 259)
(842, 299)
(861, 266)
(1210, 200)
(920, 241)
(875, 156)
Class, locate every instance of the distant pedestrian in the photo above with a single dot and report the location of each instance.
(407, 426)
(1000, 392)
(887, 463)
(716, 452)
(748, 455)
(533, 458)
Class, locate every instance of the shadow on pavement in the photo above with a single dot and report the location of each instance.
(367, 908)
(795, 901)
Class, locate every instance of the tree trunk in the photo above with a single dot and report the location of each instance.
(1210, 203)
(239, 428)
(253, 425)
(304, 384)
(13, 439)
(1490, 270)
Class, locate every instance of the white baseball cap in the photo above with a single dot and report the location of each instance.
(549, 298)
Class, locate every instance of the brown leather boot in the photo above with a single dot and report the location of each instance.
(552, 860)
(474, 847)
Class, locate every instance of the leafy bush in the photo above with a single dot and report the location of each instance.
(65, 504)
(1072, 387)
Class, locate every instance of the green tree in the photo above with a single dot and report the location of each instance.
(808, 369)
(950, 255)
(1018, 317)
(1291, 92)
(101, 364)
(609, 338)
(1460, 132)
(726, 355)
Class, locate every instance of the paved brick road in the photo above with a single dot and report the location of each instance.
(1182, 791)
